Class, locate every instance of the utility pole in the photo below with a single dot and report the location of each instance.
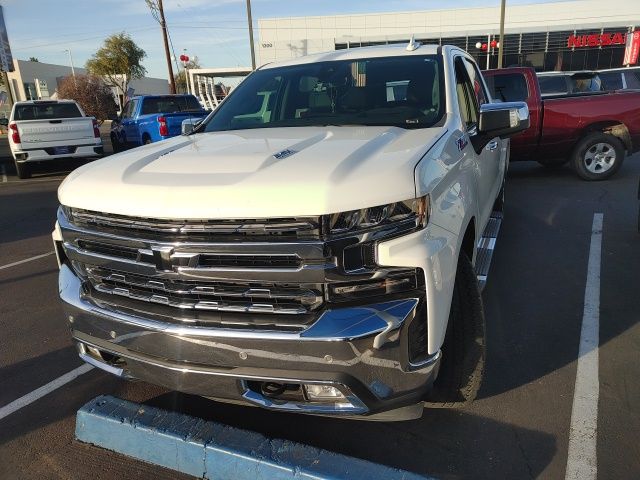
(253, 53)
(501, 45)
(163, 24)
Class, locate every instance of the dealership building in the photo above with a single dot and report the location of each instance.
(572, 35)
(39, 80)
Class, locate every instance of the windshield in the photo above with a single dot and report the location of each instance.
(170, 105)
(407, 92)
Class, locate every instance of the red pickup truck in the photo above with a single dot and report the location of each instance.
(594, 131)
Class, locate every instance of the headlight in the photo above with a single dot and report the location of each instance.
(416, 209)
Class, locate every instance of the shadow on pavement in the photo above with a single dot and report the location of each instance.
(445, 444)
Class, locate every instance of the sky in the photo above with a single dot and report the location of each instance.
(213, 30)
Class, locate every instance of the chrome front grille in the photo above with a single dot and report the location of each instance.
(272, 228)
(210, 296)
(167, 269)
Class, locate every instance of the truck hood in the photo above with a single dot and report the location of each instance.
(254, 173)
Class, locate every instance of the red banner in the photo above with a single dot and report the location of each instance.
(632, 49)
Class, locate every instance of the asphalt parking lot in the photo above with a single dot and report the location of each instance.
(518, 428)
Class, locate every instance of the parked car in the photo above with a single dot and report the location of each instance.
(568, 83)
(322, 257)
(44, 130)
(620, 78)
(593, 132)
(150, 118)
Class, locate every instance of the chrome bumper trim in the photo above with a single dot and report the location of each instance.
(332, 325)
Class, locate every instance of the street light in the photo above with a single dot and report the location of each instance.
(73, 72)
(184, 58)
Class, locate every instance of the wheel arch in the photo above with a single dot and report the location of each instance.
(611, 127)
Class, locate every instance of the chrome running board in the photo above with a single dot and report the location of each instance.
(486, 245)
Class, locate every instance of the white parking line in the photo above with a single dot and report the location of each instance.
(582, 462)
(4, 173)
(30, 259)
(29, 398)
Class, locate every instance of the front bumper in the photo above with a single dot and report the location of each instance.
(362, 351)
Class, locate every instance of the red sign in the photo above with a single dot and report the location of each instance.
(632, 50)
(596, 40)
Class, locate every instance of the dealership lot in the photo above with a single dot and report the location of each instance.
(518, 428)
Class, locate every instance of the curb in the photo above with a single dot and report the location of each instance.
(213, 450)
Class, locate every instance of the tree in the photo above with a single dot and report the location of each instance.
(33, 59)
(92, 94)
(118, 62)
(181, 78)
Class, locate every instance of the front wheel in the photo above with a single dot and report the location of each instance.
(463, 351)
(23, 170)
(597, 156)
(115, 144)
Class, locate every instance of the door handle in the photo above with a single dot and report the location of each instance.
(492, 145)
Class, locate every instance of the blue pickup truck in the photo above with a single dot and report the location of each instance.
(151, 118)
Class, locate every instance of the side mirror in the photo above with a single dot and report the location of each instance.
(500, 120)
(189, 125)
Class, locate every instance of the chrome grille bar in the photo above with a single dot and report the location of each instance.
(211, 296)
(303, 226)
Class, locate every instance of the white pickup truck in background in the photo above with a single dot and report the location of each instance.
(51, 129)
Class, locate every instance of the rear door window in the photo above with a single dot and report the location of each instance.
(510, 87)
(46, 111)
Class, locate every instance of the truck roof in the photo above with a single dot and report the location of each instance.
(160, 95)
(42, 102)
(377, 51)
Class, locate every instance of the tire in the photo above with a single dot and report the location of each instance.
(23, 170)
(115, 144)
(146, 140)
(464, 348)
(597, 156)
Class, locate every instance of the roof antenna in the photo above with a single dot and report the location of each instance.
(413, 45)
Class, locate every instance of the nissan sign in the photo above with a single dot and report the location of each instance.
(596, 40)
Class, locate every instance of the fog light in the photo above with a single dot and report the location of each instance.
(323, 392)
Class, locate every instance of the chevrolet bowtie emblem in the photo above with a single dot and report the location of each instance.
(162, 258)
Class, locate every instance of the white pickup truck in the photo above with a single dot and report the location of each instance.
(42, 130)
(315, 256)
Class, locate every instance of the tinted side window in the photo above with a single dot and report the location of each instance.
(127, 109)
(553, 84)
(467, 100)
(511, 87)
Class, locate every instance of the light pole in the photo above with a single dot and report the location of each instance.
(502, 8)
(73, 71)
(253, 53)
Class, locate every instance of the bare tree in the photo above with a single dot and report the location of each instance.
(92, 94)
